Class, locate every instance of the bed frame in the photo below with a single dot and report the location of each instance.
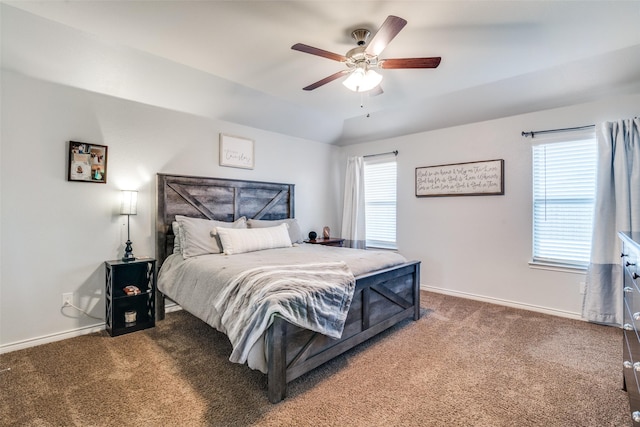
(382, 298)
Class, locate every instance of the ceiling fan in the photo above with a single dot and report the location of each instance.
(361, 60)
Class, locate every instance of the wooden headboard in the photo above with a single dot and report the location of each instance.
(218, 199)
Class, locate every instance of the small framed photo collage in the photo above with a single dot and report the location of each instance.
(87, 162)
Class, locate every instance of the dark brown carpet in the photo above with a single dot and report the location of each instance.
(465, 363)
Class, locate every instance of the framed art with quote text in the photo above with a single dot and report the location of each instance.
(483, 178)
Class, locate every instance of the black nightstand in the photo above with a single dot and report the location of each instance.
(129, 313)
(328, 241)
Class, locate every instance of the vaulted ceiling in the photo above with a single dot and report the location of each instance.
(499, 58)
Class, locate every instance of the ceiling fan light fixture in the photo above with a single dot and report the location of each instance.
(362, 80)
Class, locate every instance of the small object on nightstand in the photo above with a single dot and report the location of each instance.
(313, 235)
(131, 290)
(129, 318)
(326, 232)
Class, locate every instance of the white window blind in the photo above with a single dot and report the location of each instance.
(564, 182)
(380, 202)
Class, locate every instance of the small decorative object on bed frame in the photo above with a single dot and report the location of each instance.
(483, 178)
(87, 162)
(236, 152)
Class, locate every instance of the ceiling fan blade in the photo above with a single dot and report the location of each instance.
(387, 31)
(319, 52)
(376, 91)
(326, 80)
(410, 63)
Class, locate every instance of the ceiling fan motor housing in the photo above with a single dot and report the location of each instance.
(360, 36)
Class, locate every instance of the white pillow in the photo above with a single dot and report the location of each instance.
(177, 238)
(295, 233)
(249, 240)
(198, 235)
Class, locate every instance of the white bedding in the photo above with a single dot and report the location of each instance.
(195, 283)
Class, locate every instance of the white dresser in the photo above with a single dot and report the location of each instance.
(631, 343)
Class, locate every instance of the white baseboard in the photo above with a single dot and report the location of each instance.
(170, 308)
(507, 303)
(7, 348)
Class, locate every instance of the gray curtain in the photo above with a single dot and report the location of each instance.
(353, 219)
(617, 208)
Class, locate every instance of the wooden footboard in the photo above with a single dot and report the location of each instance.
(381, 300)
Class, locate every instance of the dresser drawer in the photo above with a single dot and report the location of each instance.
(630, 256)
(631, 371)
(632, 346)
(630, 259)
(631, 275)
(631, 306)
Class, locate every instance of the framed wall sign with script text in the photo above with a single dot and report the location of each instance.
(236, 152)
(461, 179)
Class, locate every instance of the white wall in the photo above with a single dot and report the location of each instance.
(480, 246)
(57, 234)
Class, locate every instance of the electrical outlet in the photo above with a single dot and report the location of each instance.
(67, 299)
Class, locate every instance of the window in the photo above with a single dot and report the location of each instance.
(564, 182)
(380, 202)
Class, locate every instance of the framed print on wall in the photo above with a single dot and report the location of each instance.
(87, 162)
(483, 178)
(236, 152)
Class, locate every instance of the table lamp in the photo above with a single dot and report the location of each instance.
(128, 207)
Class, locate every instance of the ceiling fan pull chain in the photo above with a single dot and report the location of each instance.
(362, 103)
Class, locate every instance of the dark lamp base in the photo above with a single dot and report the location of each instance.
(128, 252)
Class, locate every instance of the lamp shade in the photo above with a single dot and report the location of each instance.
(129, 202)
(362, 80)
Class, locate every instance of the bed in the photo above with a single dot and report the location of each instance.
(380, 298)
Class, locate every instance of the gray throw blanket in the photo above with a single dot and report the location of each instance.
(313, 296)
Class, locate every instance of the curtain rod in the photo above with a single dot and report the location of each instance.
(533, 133)
(394, 152)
